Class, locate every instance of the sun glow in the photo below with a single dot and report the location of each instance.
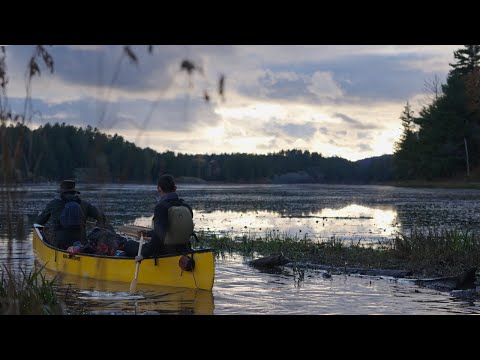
(256, 111)
(215, 133)
(385, 143)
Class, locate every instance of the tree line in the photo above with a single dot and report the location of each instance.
(443, 140)
(58, 151)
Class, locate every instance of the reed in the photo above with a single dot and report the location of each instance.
(425, 252)
(28, 294)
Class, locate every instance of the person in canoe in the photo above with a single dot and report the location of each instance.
(172, 224)
(66, 217)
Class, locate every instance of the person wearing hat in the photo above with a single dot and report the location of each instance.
(67, 214)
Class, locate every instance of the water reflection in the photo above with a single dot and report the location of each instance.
(347, 212)
(412, 207)
(99, 297)
(240, 289)
(353, 222)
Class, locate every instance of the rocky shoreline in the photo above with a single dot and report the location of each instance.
(464, 285)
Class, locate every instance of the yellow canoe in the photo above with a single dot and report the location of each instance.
(163, 270)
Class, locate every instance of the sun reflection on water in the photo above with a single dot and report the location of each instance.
(352, 222)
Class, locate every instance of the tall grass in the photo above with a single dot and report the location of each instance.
(439, 250)
(332, 252)
(425, 252)
(28, 294)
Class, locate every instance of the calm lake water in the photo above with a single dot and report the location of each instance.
(350, 213)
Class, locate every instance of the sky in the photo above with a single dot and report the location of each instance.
(337, 100)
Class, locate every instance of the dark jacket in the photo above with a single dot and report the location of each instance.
(51, 215)
(160, 226)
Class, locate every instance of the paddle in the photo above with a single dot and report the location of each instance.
(132, 230)
(133, 285)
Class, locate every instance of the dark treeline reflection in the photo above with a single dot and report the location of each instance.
(18, 227)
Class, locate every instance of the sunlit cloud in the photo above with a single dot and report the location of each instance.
(337, 100)
(323, 85)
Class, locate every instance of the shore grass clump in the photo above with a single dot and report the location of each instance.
(437, 250)
(28, 294)
(425, 252)
(332, 251)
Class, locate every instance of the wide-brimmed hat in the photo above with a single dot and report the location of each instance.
(68, 186)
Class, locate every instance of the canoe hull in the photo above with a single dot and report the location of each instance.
(163, 270)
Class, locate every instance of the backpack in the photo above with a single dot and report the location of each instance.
(72, 215)
(105, 242)
(180, 224)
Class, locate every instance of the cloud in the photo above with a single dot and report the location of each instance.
(355, 124)
(364, 147)
(363, 135)
(428, 64)
(272, 144)
(86, 47)
(182, 115)
(302, 131)
(106, 73)
(277, 54)
(323, 85)
(334, 99)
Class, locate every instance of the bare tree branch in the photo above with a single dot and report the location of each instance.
(433, 88)
(130, 54)
(221, 87)
(3, 68)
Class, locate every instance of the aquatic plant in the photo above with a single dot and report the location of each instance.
(28, 294)
(438, 249)
(425, 252)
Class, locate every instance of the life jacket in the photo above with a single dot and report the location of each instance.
(72, 216)
(180, 223)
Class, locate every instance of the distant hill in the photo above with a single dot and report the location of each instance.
(372, 160)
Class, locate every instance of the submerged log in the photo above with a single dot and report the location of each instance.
(465, 280)
(350, 270)
(269, 262)
(469, 294)
(381, 272)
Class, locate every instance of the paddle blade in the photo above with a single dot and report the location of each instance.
(133, 286)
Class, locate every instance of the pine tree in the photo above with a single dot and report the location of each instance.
(405, 149)
(467, 60)
(467, 67)
(407, 119)
(472, 87)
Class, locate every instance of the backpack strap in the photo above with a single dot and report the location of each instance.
(195, 237)
(172, 202)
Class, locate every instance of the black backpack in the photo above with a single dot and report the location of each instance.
(72, 216)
